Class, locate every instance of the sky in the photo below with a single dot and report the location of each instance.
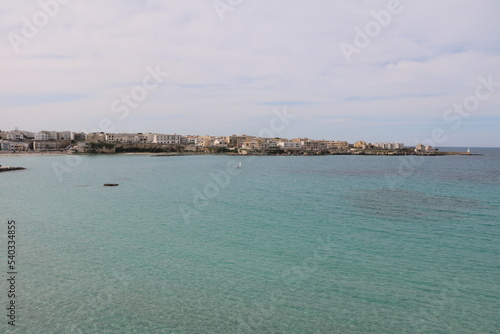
(380, 71)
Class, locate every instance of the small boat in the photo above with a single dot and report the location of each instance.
(239, 165)
(110, 184)
(468, 150)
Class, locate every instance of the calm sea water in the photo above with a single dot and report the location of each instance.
(333, 244)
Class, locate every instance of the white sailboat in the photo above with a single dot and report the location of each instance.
(239, 164)
(468, 149)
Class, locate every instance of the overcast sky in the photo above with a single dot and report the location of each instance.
(233, 64)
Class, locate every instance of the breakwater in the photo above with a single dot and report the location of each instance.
(9, 169)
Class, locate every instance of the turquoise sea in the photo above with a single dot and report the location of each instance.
(192, 244)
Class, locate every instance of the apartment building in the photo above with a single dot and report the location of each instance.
(313, 145)
(361, 144)
(390, 146)
(136, 138)
(50, 145)
(4, 145)
(16, 136)
(95, 137)
(289, 145)
(335, 144)
(269, 144)
(53, 135)
(237, 141)
(64, 135)
(220, 142)
(157, 138)
(77, 136)
(254, 144)
(19, 146)
(420, 148)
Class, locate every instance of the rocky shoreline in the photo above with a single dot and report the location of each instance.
(315, 153)
(9, 169)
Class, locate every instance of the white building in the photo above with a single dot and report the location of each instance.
(126, 138)
(269, 143)
(156, 138)
(201, 141)
(390, 146)
(52, 135)
(42, 135)
(190, 140)
(289, 145)
(16, 135)
(220, 142)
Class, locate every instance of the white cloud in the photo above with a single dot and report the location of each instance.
(226, 72)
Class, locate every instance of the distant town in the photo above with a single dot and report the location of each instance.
(67, 142)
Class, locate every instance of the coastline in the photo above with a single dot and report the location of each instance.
(281, 154)
(22, 154)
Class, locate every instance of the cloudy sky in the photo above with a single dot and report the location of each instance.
(345, 69)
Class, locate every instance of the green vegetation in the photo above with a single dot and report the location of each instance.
(101, 145)
(95, 147)
(219, 150)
